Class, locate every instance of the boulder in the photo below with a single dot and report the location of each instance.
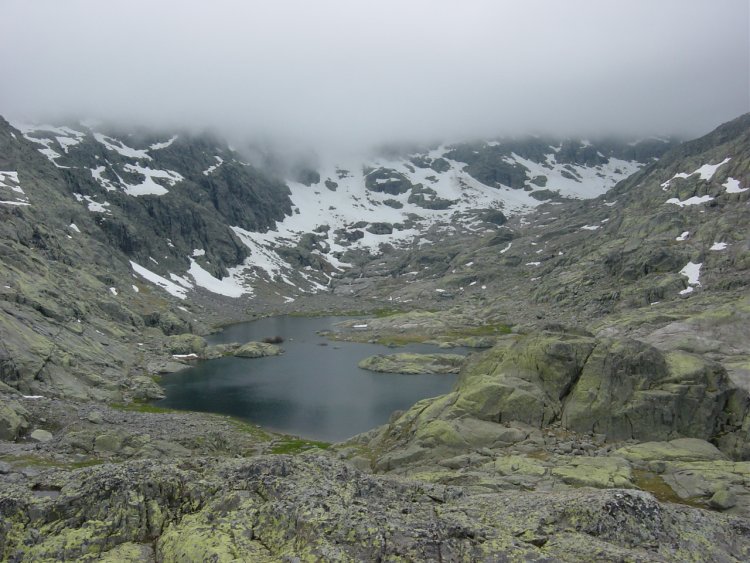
(12, 420)
(108, 443)
(40, 435)
(631, 390)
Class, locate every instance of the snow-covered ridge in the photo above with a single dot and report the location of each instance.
(342, 212)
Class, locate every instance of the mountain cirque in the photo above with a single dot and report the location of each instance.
(603, 413)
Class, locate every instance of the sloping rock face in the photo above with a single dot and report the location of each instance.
(619, 389)
(280, 508)
(75, 321)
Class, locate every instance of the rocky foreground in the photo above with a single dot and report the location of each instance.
(313, 508)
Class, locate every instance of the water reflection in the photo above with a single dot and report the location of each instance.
(313, 391)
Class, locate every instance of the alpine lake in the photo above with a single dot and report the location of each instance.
(314, 390)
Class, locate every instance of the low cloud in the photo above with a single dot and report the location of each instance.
(339, 75)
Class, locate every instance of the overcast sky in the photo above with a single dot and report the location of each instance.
(342, 73)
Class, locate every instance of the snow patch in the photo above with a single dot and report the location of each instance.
(19, 203)
(733, 186)
(695, 200)
(11, 177)
(219, 162)
(590, 227)
(225, 286)
(120, 147)
(164, 145)
(149, 186)
(718, 246)
(706, 172)
(684, 236)
(102, 181)
(692, 272)
(93, 206)
(165, 284)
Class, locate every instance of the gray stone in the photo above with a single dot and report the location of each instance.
(723, 499)
(95, 417)
(40, 435)
(12, 420)
(108, 443)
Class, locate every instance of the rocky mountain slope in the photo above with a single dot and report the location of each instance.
(187, 207)
(604, 414)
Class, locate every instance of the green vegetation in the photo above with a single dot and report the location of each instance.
(141, 406)
(248, 428)
(297, 445)
(654, 484)
(483, 330)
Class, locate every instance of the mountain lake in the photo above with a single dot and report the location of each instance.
(314, 389)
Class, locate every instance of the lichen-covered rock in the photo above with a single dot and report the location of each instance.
(682, 449)
(12, 419)
(257, 350)
(414, 363)
(600, 472)
(311, 507)
(628, 389)
(186, 344)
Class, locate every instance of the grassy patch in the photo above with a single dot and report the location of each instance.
(296, 445)
(484, 330)
(401, 339)
(249, 428)
(139, 406)
(654, 484)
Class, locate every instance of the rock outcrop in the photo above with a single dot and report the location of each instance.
(414, 363)
(313, 508)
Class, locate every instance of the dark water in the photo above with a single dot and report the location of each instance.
(312, 390)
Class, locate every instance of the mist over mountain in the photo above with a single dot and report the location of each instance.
(339, 76)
